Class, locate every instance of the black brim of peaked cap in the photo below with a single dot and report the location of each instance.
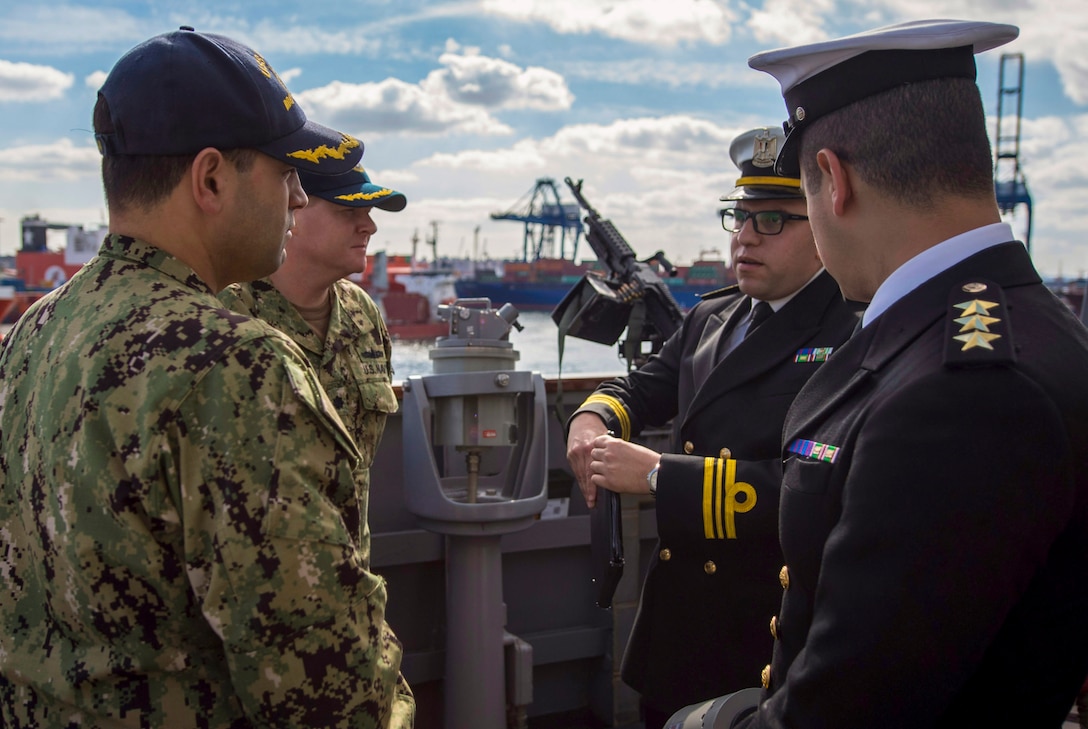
(316, 149)
(860, 77)
(352, 189)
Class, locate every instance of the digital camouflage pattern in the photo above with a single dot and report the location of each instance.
(179, 522)
(353, 362)
(353, 365)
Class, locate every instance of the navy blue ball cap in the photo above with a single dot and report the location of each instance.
(180, 92)
(353, 189)
(820, 78)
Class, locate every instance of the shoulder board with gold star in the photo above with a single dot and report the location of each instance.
(977, 327)
(724, 291)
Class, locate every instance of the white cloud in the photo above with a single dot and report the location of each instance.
(1050, 30)
(673, 141)
(496, 83)
(456, 98)
(270, 37)
(1062, 43)
(47, 27)
(26, 82)
(392, 106)
(639, 21)
(673, 74)
(791, 22)
(59, 160)
(95, 80)
(1053, 151)
(526, 156)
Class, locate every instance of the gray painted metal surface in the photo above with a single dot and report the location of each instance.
(547, 588)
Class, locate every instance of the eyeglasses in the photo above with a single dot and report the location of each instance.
(765, 222)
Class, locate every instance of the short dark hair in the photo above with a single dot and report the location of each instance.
(915, 143)
(142, 181)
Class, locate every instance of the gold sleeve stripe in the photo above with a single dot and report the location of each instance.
(708, 497)
(718, 492)
(734, 487)
(617, 409)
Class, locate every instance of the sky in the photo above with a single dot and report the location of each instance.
(464, 105)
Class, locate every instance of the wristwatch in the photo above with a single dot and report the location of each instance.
(651, 478)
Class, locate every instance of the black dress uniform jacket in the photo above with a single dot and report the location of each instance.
(701, 629)
(936, 532)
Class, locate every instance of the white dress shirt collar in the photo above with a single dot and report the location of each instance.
(933, 261)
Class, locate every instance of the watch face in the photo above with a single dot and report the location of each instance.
(653, 480)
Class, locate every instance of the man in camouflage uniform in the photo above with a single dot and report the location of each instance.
(180, 531)
(334, 322)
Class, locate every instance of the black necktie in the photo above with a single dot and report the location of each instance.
(760, 313)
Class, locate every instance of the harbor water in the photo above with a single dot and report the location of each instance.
(537, 345)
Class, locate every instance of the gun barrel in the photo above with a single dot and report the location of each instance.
(631, 280)
(606, 241)
(576, 189)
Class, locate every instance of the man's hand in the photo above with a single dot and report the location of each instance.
(584, 429)
(620, 466)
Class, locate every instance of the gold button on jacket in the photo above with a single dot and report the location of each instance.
(664, 555)
(689, 447)
(765, 676)
(784, 577)
(774, 627)
(710, 568)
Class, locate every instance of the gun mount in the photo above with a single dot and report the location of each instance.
(632, 295)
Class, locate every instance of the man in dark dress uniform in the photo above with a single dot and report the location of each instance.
(702, 622)
(934, 514)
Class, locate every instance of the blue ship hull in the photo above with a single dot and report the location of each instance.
(538, 296)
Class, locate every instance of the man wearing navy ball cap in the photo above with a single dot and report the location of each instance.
(934, 502)
(181, 536)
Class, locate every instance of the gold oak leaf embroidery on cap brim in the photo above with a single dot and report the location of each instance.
(324, 151)
(365, 195)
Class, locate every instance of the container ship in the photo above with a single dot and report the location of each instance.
(539, 285)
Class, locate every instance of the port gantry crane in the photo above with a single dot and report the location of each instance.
(543, 212)
(1009, 184)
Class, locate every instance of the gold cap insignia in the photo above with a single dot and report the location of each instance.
(765, 149)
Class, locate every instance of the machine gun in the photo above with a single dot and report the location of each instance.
(631, 296)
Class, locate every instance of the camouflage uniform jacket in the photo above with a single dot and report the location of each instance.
(352, 363)
(179, 522)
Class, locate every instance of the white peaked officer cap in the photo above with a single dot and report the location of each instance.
(754, 153)
(820, 78)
